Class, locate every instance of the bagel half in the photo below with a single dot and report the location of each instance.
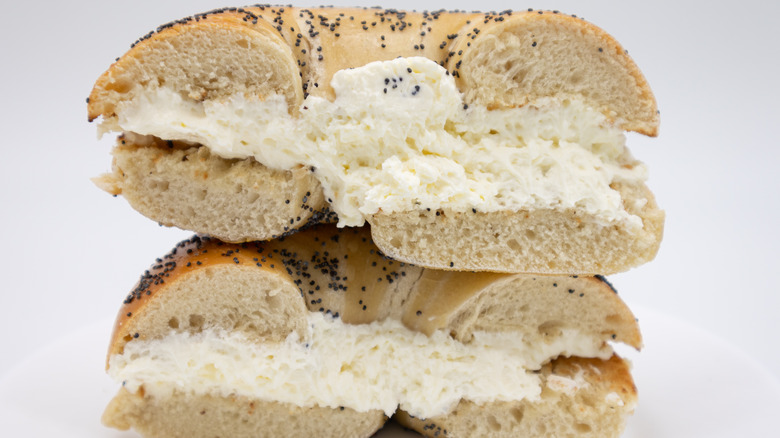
(225, 116)
(183, 373)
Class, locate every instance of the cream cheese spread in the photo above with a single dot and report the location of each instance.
(382, 365)
(399, 137)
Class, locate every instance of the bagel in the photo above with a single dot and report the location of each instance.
(320, 334)
(472, 141)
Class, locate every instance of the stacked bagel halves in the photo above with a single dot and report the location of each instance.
(420, 205)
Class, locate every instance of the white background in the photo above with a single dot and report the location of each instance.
(73, 252)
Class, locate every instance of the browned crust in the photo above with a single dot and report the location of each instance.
(198, 252)
(613, 374)
(609, 46)
(229, 19)
(325, 40)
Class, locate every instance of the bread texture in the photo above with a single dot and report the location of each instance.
(186, 415)
(186, 186)
(265, 290)
(540, 241)
(504, 60)
(191, 56)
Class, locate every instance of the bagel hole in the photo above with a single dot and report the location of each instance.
(523, 309)
(589, 401)
(517, 414)
(519, 76)
(550, 328)
(196, 321)
(121, 86)
(161, 186)
(582, 428)
(493, 423)
(253, 197)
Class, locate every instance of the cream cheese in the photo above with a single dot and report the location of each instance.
(398, 137)
(382, 365)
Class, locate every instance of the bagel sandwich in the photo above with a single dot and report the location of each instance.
(468, 141)
(320, 334)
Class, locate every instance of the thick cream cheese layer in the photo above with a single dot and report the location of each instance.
(398, 137)
(381, 365)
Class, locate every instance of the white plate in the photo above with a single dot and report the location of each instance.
(691, 384)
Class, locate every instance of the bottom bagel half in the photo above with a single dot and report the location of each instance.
(320, 334)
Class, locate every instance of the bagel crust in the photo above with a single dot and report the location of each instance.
(309, 45)
(339, 271)
(265, 290)
(289, 57)
(399, 215)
